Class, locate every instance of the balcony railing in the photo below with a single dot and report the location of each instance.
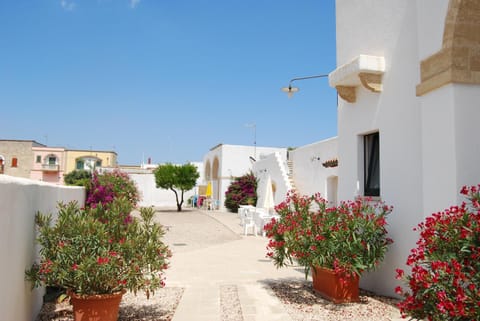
(50, 167)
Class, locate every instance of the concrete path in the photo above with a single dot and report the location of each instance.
(209, 254)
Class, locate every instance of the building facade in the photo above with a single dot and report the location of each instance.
(16, 157)
(314, 169)
(48, 164)
(29, 159)
(89, 159)
(408, 79)
(225, 162)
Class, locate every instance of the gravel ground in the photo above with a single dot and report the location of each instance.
(159, 307)
(231, 309)
(303, 304)
(298, 297)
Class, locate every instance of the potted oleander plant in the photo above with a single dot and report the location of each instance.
(336, 243)
(100, 251)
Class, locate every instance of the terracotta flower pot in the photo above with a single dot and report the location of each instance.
(101, 307)
(330, 286)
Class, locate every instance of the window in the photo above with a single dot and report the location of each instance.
(371, 165)
(80, 164)
(52, 160)
(14, 162)
(39, 159)
(98, 163)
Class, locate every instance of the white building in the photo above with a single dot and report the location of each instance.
(408, 77)
(225, 162)
(308, 170)
(408, 80)
(315, 169)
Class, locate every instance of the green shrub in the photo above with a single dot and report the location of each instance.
(78, 178)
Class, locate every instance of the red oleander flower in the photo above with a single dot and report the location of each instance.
(102, 260)
(445, 265)
(309, 230)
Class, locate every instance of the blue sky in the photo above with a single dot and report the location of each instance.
(166, 79)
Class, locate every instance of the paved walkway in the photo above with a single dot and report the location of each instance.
(210, 254)
(235, 260)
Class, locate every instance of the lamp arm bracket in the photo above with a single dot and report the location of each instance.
(307, 77)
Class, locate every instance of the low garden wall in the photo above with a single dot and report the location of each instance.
(20, 199)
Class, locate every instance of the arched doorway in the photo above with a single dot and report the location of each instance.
(208, 171)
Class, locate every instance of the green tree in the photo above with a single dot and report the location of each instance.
(177, 178)
(78, 178)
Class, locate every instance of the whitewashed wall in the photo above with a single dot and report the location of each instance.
(451, 149)
(309, 175)
(467, 144)
(388, 29)
(429, 145)
(158, 197)
(20, 199)
(430, 21)
(153, 196)
(274, 165)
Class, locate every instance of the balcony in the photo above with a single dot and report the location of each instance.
(50, 167)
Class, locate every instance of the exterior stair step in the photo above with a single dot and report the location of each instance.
(290, 174)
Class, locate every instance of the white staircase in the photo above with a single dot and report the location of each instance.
(290, 175)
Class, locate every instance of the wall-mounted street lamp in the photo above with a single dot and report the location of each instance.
(291, 90)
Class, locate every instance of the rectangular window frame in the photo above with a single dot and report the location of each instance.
(371, 165)
(80, 165)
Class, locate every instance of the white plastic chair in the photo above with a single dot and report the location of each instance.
(262, 216)
(249, 223)
(242, 212)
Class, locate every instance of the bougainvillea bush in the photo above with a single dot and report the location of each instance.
(350, 238)
(104, 188)
(444, 281)
(243, 190)
(101, 250)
